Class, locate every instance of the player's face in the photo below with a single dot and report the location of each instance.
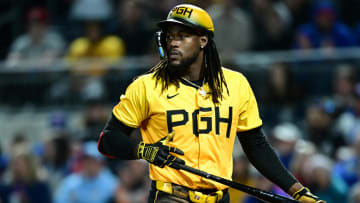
(183, 46)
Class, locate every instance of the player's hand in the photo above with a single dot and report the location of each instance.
(159, 154)
(305, 196)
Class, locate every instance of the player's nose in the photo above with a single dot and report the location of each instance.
(174, 43)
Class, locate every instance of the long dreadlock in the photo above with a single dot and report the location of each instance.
(211, 70)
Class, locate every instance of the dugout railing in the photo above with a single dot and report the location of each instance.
(313, 69)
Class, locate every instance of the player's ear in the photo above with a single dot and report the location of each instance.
(203, 41)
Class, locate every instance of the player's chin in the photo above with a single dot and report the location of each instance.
(176, 68)
(174, 62)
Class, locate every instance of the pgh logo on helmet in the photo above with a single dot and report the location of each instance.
(190, 15)
(182, 11)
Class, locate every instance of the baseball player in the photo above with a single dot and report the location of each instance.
(205, 106)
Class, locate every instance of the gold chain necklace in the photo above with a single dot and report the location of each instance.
(202, 90)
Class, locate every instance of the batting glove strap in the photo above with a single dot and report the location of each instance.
(147, 152)
(304, 195)
(159, 154)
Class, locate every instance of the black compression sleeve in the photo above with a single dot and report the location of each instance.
(261, 154)
(115, 141)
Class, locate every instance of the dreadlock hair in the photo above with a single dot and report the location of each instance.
(211, 72)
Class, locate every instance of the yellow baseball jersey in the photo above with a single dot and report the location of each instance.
(204, 131)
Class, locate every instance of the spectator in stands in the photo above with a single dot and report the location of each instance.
(134, 182)
(76, 158)
(90, 57)
(95, 115)
(242, 174)
(319, 126)
(4, 189)
(131, 25)
(56, 158)
(19, 144)
(285, 137)
(325, 29)
(271, 29)
(26, 183)
(40, 46)
(281, 86)
(81, 11)
(95, 51)
(277, 34)
(344, 80)
(282, 95)
(331, 189)
(262, 183)
(298, 11)
(94, 184)
(354, 195)
(234, 31)
(3, 163)
(303, 151)
(349, 168)
(348, 122)
(90, 9)
(346, 95)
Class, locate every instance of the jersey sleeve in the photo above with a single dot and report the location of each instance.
(249, 117)
(133, 106)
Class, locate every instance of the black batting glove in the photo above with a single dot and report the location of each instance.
(159, 154)
(305, 196)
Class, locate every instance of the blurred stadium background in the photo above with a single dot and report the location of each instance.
(64, 64)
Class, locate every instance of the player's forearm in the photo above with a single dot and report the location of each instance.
(115, 141)
(263, 157)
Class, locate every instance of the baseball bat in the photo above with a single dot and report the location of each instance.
(258, 193)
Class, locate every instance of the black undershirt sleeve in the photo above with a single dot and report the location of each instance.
(262, 155)
(115, 141)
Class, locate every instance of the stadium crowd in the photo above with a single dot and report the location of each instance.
(115, 28)
(314, 129)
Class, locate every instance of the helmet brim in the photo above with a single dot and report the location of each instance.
(165, 23)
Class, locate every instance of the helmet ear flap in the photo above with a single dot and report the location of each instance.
(163, 40)
(160, 40)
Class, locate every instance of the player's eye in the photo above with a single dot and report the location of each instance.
(180, 36)
(183, 35)
(169, 37)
